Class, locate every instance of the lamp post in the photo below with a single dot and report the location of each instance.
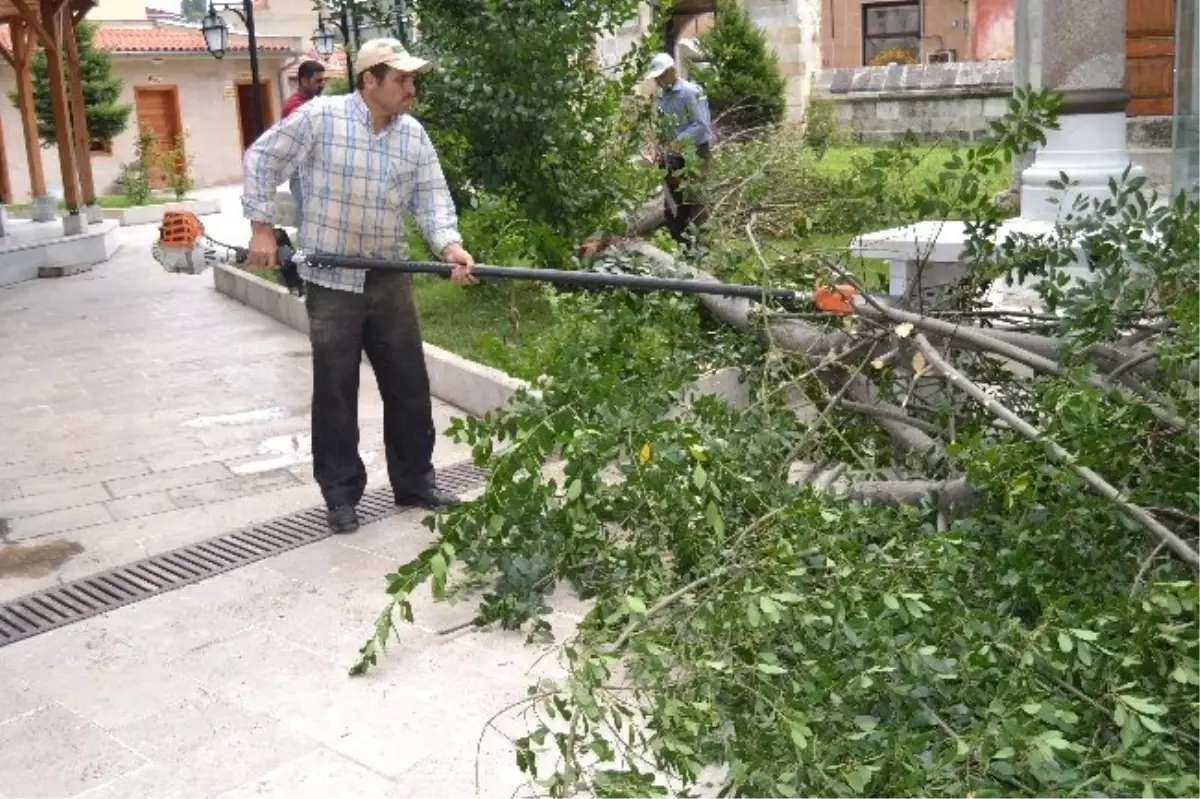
(216, 38)
(354, 31)
(323, 39)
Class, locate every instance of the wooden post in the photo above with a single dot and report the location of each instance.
(78, 115)
(22, 44)
(52, 20)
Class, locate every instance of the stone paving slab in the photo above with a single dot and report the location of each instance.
(143, 411)
(238, 685)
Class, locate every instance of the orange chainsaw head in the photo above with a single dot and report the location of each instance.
(180, 229)
(837, 299)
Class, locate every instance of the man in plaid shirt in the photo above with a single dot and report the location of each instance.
(363, 162)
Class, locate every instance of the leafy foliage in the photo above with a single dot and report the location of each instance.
(518, 106)
(754, 625)
(106, 117)
(745, 90)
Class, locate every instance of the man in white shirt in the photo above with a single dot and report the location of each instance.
(363, 162)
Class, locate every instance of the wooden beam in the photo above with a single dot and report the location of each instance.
(80, 13)
(22, 42)
(6, 196)
(29, 13)
(52, 14)
(83, 143)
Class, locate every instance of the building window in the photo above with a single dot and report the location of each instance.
(891, 33)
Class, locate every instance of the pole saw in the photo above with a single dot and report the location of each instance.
(184, 248)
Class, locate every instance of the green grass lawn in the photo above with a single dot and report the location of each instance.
(932, 158)
(476, 322)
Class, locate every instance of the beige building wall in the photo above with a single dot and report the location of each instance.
(286, 18)
(208, 111)
(119, 10)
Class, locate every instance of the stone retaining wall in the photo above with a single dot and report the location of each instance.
(934, 101)
(876, 105)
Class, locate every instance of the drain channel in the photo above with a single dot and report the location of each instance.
(68, 603)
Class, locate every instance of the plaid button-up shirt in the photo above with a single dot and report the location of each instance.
(357, 185)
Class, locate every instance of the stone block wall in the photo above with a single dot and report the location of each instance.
(935, 101)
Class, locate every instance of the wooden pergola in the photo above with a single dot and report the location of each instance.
(51, 25)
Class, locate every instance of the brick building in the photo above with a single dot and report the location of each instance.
(856, 33)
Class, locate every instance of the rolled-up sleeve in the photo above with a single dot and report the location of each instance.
(271, 159)
(431, 205)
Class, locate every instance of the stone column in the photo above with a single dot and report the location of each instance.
(1076, 48)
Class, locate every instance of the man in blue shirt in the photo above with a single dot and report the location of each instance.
(684, 109)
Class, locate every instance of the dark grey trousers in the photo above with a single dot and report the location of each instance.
(382, 321)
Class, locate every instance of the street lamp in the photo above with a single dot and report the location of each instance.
(216, 39)
(323, 39)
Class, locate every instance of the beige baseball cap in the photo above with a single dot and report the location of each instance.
(390, 52)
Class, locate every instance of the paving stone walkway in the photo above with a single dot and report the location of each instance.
(143, 411)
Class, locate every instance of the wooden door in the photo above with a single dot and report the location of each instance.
(1150, 57)
(247, 124)
(158, 113)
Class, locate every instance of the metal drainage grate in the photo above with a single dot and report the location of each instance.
(68, 603)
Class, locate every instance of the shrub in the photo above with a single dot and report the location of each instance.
(745, 90)
(106, 117)
(820, 125)
(136, 174)
(177, 166)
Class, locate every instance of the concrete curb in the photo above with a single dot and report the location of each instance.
(472, 386)
(142, 214)
(466, 384)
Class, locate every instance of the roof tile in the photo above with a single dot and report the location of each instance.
(167, 39)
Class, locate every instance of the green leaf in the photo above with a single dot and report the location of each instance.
(859, 778)
(891, 602)
(1004, 753)
(1084, 635)
(1151, 724)
(699, 477)
(799, 734)
(437, 566)
(770, 668)
(787, 597)
(574, 490)
(715, 520)
(636, 605)
(867, 723)
(1143, 706)
(1065, 643)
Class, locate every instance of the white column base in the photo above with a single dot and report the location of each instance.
(1091, 149)
(45, 208)
(74, 224)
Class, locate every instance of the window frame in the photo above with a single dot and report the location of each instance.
(869, 37)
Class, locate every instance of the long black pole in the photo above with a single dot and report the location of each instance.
(559, 276)
(256, 88)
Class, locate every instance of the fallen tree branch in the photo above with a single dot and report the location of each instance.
(1095, 481)
(953, 494)
(986, 341)
(885, 410)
